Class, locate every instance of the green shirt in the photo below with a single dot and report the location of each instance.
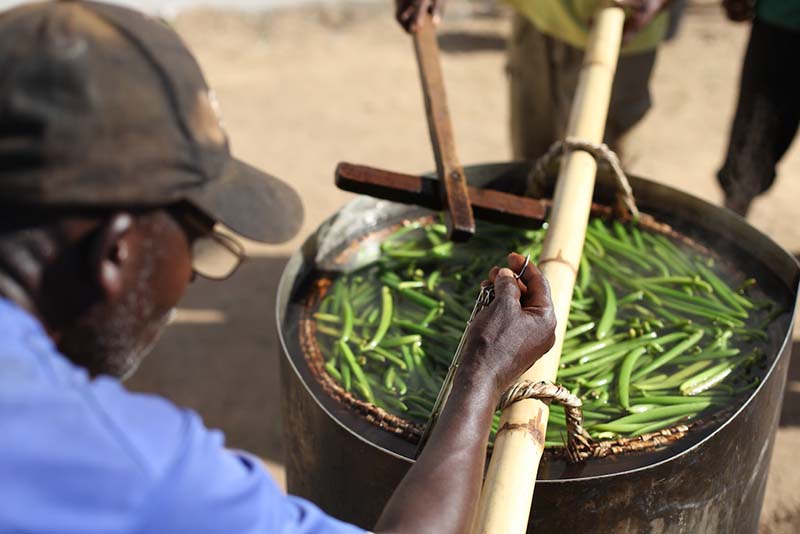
(568, 21)
(783, 13)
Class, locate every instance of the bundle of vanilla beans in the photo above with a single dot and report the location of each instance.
(657, 335)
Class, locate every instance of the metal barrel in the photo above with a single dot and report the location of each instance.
(710, 481)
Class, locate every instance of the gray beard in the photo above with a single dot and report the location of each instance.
(114, 341)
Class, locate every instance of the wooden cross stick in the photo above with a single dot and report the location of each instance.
(461, 224)
(486, 204)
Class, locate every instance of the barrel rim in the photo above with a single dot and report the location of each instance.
(285, 288)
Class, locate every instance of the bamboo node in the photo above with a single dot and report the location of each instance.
(559, 258)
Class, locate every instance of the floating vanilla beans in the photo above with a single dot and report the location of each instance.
(657, 335)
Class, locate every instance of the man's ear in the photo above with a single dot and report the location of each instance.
(112, 252)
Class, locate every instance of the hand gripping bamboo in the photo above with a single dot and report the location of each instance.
(508, 489)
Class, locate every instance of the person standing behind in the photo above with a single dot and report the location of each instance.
(545, 54)
(768, 110)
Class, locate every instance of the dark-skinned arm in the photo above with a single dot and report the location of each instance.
(639, 15)
(409, 13)
(739, 10)
(440, 492)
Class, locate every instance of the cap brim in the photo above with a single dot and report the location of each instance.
(251, 203)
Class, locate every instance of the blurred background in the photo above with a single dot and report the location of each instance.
(303, 86)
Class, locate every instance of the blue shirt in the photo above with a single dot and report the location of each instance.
(83, 456)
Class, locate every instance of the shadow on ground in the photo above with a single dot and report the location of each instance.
(464, 42)
(790, 412)
(220, 358)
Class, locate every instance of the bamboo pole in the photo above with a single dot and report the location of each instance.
(508, 489)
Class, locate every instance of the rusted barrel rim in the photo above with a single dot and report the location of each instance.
(698, 204)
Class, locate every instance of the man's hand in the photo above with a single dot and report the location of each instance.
(739, 10)
(409, 13)
(440, 492)
(515, 330)
(640, 14)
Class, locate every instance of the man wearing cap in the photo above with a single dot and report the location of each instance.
(114, 173)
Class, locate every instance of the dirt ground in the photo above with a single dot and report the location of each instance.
(303, 89)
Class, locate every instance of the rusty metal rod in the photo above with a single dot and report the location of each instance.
(455, 199)
(488, 205)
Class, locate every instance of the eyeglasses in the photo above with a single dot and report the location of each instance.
(215, 255)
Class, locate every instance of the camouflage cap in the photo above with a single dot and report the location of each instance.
(103, 106)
